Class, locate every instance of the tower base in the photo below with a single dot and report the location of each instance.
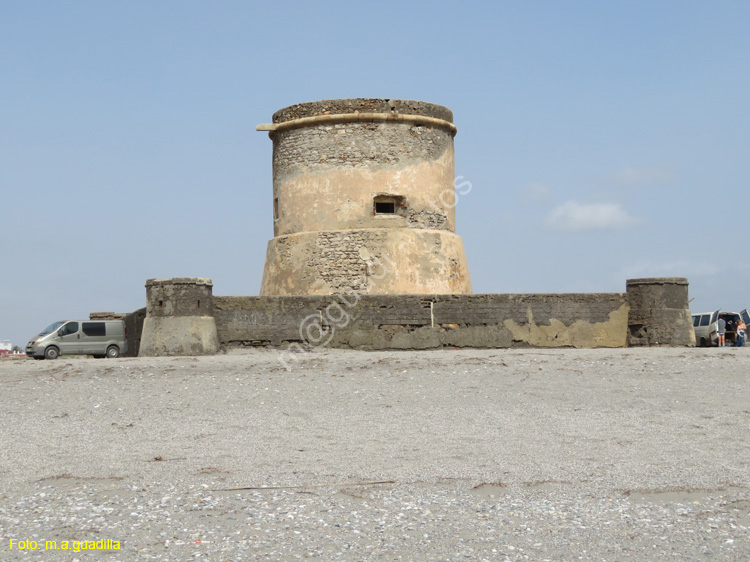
(366, 261)
(180, 335)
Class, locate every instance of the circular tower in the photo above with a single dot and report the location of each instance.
(364, 200)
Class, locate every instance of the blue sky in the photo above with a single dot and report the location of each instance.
(603, 140)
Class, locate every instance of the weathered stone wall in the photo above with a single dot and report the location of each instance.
(426, 321)
(365, 261)
(356, 145)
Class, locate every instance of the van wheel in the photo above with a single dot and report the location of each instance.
(51, 353)
(113, 352)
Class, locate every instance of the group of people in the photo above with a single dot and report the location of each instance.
(738, 328)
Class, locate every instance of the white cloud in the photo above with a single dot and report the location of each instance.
(594, 216)
(656, 174)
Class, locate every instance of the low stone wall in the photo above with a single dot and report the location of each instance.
(184, 318)
(426, 321)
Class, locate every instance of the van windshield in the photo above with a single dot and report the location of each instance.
(51, 328)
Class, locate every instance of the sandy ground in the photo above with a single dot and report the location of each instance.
(490, 455)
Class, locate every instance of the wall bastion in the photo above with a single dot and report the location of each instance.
(179, 318)
(659, 312)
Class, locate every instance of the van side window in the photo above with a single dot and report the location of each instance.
(705, 319)
(69, 328)
(696, 320)
(94, 329)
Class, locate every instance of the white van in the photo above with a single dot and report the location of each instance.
(100, 338)
(706, 326)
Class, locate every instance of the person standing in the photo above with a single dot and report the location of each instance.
(730, 333)
(741, 329)
(722, 333)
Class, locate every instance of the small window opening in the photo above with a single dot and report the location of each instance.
(161, 304)
(275, 208)
(199, 304)
(387, 204)
(385, 207)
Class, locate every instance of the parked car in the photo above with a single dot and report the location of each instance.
(100, 338)
(706, 326)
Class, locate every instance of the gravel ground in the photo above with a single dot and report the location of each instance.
(483, 455)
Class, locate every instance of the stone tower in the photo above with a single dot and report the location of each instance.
(364, 200)
(179, 318)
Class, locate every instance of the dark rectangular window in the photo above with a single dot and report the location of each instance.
(705, 319)
(94, 329)
(385, 207)
(388, 204)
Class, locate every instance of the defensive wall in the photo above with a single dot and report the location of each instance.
(651, 312)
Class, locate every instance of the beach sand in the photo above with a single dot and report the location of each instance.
(487, 455)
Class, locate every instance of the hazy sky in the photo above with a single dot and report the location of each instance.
(603, 140)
